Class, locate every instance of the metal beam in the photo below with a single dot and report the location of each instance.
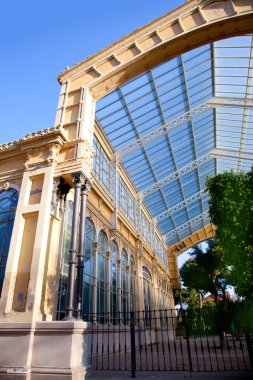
(190, 223)
(218, 101)
(176, 175)
(181, 120)
(161, 131)
(179, 206)
(220, 152)
(246, 112)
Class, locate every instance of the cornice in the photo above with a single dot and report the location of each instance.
(33, 137)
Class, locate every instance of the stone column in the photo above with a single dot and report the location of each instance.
(29, 238)
(77, 179)
(52, 265)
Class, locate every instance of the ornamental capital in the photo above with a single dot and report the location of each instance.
(86, 187)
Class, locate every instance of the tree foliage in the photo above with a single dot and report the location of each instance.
(231, 211)
(206, 271)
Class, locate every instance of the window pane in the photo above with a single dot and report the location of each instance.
(8, 204)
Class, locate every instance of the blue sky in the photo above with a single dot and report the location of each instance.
(38, 39)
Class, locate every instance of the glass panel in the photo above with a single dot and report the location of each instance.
(102, 270)
(101, 166)
(8, 204)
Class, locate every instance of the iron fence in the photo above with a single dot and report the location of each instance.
(165, 340)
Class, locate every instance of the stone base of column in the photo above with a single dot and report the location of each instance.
(44, 350)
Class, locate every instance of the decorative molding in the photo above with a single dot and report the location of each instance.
(9, 145)
(8, 185)
(40, 133)
(28, 160)
(88, 152)
(29, 136)
(37, 156)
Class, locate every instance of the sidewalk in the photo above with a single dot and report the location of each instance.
(109, 375)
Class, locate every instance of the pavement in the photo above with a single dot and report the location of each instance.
(110, 375)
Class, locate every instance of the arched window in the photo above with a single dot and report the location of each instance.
(114, 285)
(8, 204)
(88, 286)
(101, 289)
(124, 293)
(132, 285)
(147, 288)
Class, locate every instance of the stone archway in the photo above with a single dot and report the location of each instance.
(191, 25)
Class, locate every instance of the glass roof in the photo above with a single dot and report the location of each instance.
(168, 142)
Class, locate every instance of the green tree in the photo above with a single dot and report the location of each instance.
(206, 271)
(231, 211)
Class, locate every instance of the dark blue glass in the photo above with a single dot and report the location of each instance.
(8, 204)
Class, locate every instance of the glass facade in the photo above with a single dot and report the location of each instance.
(102, 272)
(65, 261)
(101, 165)
(125, 199)
(145, 227)
(114, 279)
(124, 291)
(106, 173)
(117, 287)
(8, 204)
(88, 286)
(147, 288)
(132, 277)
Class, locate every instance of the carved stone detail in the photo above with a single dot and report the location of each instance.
(95, 246)
(5, 187)
(53, 153)
(40, 133)
(88, 152)
(29, 136)
(35, 157)
(59, 196)
(112, 235)
(28, 160)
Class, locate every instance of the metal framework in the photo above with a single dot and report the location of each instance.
(244, 155)
(191, 223)
(180, 205)
(176, 124)
(214, 102)
(176, 175)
